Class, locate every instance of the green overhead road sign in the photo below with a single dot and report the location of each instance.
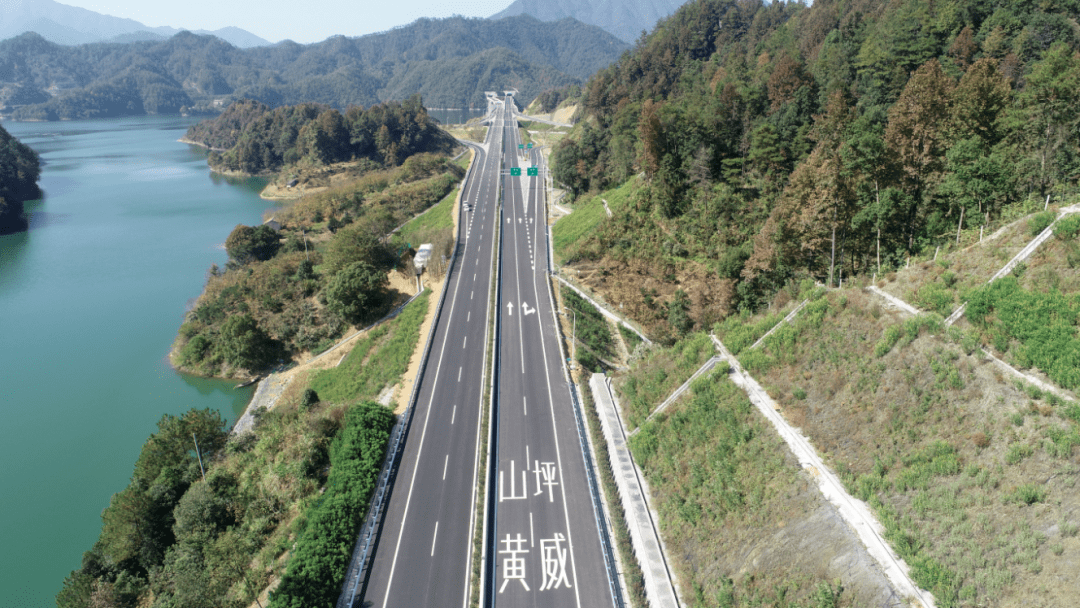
(515, 171)
(533, 172)
(529, 146)
(521, 146)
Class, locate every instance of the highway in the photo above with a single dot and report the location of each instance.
(543, 542)
(546, 548)
(422, 556)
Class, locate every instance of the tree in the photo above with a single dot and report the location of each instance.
(834, 177)
(242, 344)
(358, 293)
(1049, 113)
(172, 446)
(977, 179)
(865, 155)
(979, 103)
(357, 242)
(916, 136)
(246, 244)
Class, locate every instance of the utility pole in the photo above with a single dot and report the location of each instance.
(201, 469)
(573, 339)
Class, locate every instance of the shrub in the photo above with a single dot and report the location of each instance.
(1017, 452)
(888, 340)
(799, 394)
(358, 293)
(1038, 222)
(1068, 227)
(321, 556)
(935, 297)
(246, 244)
(1027, 494)
(980, 440)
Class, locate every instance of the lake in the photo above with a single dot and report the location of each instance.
(90, 301)
(455, 117)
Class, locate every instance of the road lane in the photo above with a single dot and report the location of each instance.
(546, 546)
(422, 555)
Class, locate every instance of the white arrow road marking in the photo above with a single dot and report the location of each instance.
(510, 308)
(526, 310)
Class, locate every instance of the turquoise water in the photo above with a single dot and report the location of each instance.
(454, 117)
(90, 301)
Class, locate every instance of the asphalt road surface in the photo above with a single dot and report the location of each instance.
(546, 547)
(422, 554)
(543, 544)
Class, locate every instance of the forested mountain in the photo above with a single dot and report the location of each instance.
(450, 61)
(627, 20)
(65, 24)
(19, 171)
(252, 138)
(780, 141)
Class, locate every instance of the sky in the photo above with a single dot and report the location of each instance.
(303, 21)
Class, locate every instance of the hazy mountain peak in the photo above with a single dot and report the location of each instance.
(625, 19)
(71, 25)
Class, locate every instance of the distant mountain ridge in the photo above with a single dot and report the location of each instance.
(71, 25)
(625, 19)
(449, 62)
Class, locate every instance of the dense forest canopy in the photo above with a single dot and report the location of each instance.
(252, 138)
(778, 139)
(19, 172)
(451, 62)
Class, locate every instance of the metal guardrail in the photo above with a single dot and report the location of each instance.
(602, 524)
(493, 422)
(367, 535)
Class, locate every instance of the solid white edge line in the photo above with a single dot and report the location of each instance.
(555, 434)
(419, 451)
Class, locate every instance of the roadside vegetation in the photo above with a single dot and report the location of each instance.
(769, 142)
(298, 289)
(733, 502)
(659, 372)
(596, 347)
(377, 361)
(176, 538)
(321, 555)
(971, 474)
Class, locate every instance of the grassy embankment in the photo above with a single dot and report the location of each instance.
(971, 474)
(596, 337)
(659, 373)
(569, 234)
(736, 510)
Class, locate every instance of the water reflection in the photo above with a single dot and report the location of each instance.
(12, 257)
(206, 387)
